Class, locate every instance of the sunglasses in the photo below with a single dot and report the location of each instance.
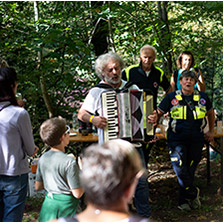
(68, 129)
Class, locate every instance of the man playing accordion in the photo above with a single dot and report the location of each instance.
(108, 67)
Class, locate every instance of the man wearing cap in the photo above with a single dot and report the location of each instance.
(187, 109)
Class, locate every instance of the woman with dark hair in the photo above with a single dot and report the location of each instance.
(16, 142)
(185, 61)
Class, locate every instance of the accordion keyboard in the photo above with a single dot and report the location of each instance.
(110, 111)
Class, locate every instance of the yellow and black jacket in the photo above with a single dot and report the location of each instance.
(150, 84)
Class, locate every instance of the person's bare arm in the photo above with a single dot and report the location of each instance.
(201, 83)
(39, 185)
(155, 117)
(98, 121)
(209, 136)
(78, 192)
(172, 83)
(170, 90)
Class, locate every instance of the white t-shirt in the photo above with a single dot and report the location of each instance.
(93, 104)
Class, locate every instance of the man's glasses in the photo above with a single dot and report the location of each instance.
(68, 129)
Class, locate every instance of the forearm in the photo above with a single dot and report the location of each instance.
(211, 120)
(172, 83)
(155, 117)
(39, 185)
(84, 115)
(201, 86)
(171, 88)
(98, 121)
(201, 83)
(159, 115)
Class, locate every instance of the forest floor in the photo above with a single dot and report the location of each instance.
(164, 192)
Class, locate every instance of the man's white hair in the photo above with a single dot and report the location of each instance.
(147, 46)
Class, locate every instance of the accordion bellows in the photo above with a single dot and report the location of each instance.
(126, 114)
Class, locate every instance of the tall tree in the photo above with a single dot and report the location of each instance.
(165, 36)
(45, 94)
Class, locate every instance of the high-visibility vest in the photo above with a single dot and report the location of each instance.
(180, 111)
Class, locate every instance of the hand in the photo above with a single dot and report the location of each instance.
(156, 138)
(209, 136)
(153, 118)
(99, 122)
(35, 152)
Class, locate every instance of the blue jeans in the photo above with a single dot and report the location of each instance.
(13, 191)
(142, 191)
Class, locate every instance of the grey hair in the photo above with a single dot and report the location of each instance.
(146, 47)
(108, 170)
(104, 59)
(188, 73)
(3, 63)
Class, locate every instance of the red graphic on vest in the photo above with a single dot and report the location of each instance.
(202, 101)
(155, 84)
(174, 102)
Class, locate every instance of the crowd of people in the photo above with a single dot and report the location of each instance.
(112, 173)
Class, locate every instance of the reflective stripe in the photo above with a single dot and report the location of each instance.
(162, 73)
(173, 125)
(199, 112)
(174, 159)
(185, 112)
(179, 112)
(144, 116)
(128, 69)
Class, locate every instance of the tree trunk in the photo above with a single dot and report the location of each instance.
(43, 86)
(165, 36)
(110, 40)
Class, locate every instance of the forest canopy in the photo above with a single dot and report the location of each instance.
(53, 45)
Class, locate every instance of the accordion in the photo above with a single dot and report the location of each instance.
(126, 114)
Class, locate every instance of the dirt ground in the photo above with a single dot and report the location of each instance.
(164, 193)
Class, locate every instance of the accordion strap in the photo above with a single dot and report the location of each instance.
(107, 86)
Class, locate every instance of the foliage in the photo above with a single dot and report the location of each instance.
(67, 58)
(64, 37)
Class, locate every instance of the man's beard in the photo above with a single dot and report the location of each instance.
(110, 81)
